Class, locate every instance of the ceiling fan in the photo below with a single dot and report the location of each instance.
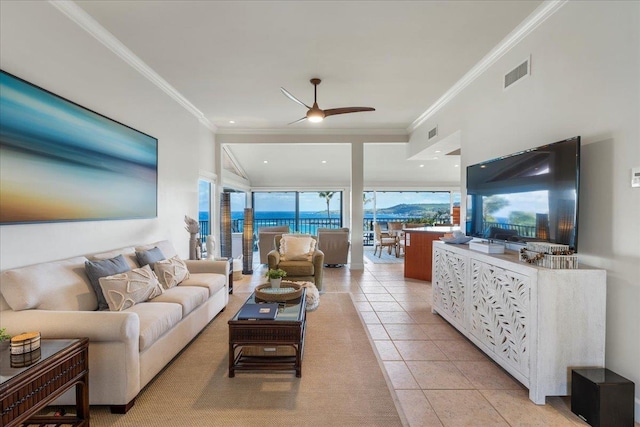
(315, 114)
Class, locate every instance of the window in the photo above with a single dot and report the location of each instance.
(302, 211)
(204, 208)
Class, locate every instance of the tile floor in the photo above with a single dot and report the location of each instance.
(439, 377)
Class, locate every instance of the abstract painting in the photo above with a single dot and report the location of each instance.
(62, 162)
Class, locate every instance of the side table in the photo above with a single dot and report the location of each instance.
(64, 363)
(230, 261)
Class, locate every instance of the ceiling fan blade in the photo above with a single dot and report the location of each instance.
(345, 110)
(299, 120)
(293, 98)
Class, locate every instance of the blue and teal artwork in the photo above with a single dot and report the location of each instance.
(62, 162)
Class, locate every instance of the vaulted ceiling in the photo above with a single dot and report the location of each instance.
(230, 59)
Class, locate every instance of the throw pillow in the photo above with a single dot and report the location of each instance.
(171, 271)
(103, 268)
(297, 247)
(150, 256)
(127, 289)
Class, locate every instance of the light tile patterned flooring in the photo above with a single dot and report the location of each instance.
(439, 377)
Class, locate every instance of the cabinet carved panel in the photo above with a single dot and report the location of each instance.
(499, 317)
(448, 284)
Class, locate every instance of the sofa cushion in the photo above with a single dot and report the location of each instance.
(212, 281)
(171, 271)
(103, 268)
(164, 245)
(297, 268)
(297, 247)
(129, 254)
(155, 320)
(189, 297)
(124, 290)
(150, 256)
(57, 285)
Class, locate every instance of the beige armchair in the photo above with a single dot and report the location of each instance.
(334, 242)
(299, 270)
(266, 240)
(382, 239)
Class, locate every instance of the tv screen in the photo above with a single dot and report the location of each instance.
(527, 196)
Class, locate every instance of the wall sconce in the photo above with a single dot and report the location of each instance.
(247, 242)
(225, 225)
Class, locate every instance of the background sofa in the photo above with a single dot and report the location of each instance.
(126, 348)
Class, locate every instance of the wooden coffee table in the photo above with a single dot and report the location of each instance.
(25, 390)
(272, 345)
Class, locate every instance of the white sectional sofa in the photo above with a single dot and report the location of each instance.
(126, 348)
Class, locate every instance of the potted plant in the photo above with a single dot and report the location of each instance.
(4, 337)
(275, 276)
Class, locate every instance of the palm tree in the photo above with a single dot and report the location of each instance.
(327, 196)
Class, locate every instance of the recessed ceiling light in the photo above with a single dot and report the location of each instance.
(265, 161)
(421, 166)
(232, 121)
(455, 166)
(435, 157)
(324, 161)
(438, 151)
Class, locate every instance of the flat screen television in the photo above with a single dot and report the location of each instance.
(531, 195)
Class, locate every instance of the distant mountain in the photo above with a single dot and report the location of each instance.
(413, 210)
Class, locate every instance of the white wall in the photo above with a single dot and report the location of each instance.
(585, 81)
(41, 45)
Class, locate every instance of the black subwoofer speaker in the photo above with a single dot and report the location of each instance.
(602, 398)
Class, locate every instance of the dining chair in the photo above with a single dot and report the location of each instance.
(382, 239)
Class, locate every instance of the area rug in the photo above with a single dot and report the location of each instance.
(384, 258)
(341, 385)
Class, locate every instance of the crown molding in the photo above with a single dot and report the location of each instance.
(306, 132)
(91, 26)
(537, 17)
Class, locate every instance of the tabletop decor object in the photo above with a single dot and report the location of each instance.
(275, 276)
(549, 255)
(25, 343)
(193, 227)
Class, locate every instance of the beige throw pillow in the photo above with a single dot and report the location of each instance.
(127, 289)
(297, 247)
(171, 271)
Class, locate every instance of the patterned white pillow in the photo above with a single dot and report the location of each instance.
(171, 271)
(297, 247)
(127, 289)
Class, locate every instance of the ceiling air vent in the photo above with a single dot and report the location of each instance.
(433, 132)
(518, 73)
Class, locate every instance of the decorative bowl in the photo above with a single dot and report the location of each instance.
(287, 291)
(457, 240)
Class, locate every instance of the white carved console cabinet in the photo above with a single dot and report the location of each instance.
(536, 323)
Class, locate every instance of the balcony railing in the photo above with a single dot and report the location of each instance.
(305, 225)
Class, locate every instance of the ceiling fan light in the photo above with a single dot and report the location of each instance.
(315, 115)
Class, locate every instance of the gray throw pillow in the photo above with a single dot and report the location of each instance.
(150, 257)
(103, 268)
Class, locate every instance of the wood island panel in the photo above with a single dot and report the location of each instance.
(418, 249)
